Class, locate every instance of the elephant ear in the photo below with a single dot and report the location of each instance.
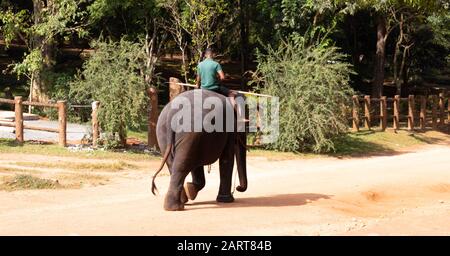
(240, 113)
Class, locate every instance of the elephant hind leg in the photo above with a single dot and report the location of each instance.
(197, 184)
(173, 200)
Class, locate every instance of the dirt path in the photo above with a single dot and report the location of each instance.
(407, 194)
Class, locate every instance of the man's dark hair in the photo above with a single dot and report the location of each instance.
(209, 51)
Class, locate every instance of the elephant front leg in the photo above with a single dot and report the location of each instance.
(173, 200)
(198, 182)
(226, 163)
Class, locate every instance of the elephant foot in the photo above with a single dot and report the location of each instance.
(191, 190)
(225, 198)
(183, 196)
(170, 204)
(173, 207)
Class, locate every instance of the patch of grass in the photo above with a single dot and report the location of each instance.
(114, 166)
(10, 146)
(272, 155)
(60, 181)
(25, 181)
(140, 135)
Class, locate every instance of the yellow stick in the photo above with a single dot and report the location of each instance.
(242, 92)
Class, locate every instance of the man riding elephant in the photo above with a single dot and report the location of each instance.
(210, 74)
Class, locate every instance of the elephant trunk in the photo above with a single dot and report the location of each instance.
(241, 160)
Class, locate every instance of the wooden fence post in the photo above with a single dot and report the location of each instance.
(355, 113)
(396, 112)
(152, 118)
(367, 117)
(95, 125)
(62, 119)
(18, 118)
(411, 107)
(174, 88)
(383, 113)
(441, 109)
(434, 103)
(423, 112)
(448, 112)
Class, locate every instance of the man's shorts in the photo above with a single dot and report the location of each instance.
(222, 90)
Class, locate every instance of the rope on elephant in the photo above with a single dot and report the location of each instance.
(234, 182)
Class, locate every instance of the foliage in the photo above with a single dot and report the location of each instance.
(62, 18)
(60, 90)
(311, 82)
(38, 31)
(202, 21)
(31, 63)
(65, 18)
(430, 57)
(112, 77)
(198, 24)
(14, 24)
(136, 16)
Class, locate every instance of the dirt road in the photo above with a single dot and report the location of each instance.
(405, 194)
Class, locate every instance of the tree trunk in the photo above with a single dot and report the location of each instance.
(151, 47)
(39, 82)
(354, 37)
(123, 135)
(243, 19)
(378, 79)
(185, 67)
(397, 72)
(403, 73)
(152, 117)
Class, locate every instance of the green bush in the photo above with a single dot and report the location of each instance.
(312, 83)
(113, 76)
(60, 90)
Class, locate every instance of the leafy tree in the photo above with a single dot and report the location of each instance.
(312, 83)
(38, 29)
(142, 20)
(112, 77)
(389, 14)
(430, 56)
(200, 22)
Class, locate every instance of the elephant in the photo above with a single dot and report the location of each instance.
(187, 151)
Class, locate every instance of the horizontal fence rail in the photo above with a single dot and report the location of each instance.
(420, 111)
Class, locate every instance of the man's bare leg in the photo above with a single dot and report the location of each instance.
(232, 95)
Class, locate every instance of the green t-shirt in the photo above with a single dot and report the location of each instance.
(207, 70)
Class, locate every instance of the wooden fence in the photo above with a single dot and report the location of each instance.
(62, 119)
(418, 112)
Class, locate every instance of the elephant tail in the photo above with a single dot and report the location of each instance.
(166, 155)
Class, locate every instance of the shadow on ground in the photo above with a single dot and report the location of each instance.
(353, 146)
(263, 201)
(418, 135)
